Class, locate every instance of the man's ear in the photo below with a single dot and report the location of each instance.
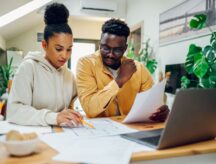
(44, 44)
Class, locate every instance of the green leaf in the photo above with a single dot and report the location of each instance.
(207, 49)
(209, 53)
(130, 54)
(6, 72)
(10, 63)
(145, 56)
(213, 38)
(189, 64)
(137, 58)
(184, 82)
(213, 67)
(151, 65)
(200, 67)
(204, 83)
(208, 81)
(2, 89)
(193, 50)
(140, 52)
(214, 46)
(197, 57)
(198, 21)
(212, 75)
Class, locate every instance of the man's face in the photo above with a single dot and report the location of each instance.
(112, 48)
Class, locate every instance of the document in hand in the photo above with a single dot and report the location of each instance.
(146, 103)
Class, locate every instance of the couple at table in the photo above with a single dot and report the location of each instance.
(106, 83)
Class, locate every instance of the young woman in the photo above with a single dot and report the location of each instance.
(43, 88)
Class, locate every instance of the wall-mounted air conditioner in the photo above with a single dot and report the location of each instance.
(98, 5)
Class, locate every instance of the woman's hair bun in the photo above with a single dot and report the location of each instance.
(56, 13)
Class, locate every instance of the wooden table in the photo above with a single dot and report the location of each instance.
(45, 153)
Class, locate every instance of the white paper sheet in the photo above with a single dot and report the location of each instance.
(110, 149)
(103, 127)
(101, 150)
(6, 127)
(146, 103)
(63, 141)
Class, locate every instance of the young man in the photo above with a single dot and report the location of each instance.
(108, 82)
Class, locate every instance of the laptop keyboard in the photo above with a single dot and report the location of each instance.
(151, 140)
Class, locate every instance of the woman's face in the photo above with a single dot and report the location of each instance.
(58, 49)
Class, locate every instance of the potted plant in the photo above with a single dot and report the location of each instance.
(201, 62)
(144, 56)
(6, 72)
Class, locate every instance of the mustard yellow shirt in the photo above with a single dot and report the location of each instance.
(98, 90)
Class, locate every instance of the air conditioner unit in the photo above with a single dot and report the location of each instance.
(98, 5)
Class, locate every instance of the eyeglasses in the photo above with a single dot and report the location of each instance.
(117, 51)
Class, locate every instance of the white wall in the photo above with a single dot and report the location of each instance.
(2, 43)
(86, 29)
(27, 41)
(176, 53)
(148, 11)
(75, 9)
(82, 29)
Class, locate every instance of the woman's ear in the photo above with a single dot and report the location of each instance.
(44, 44)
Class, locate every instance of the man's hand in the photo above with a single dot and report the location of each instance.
(161, 114)
(69, 118)
(127, 69)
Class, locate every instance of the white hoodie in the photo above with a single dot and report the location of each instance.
(39, 91)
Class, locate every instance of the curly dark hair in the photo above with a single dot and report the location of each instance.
(116, 27)
(56, 18)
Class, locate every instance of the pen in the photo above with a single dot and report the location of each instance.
(86, 123)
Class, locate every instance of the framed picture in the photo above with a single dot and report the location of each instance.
(174, 22)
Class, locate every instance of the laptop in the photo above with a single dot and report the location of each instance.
(192, 119)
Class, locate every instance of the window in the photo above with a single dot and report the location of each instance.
(81, 48)
(136, 37)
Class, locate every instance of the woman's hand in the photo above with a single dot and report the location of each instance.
(161, 114)
(69, 118)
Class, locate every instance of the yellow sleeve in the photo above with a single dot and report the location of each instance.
(93, 100)
(146, 79)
